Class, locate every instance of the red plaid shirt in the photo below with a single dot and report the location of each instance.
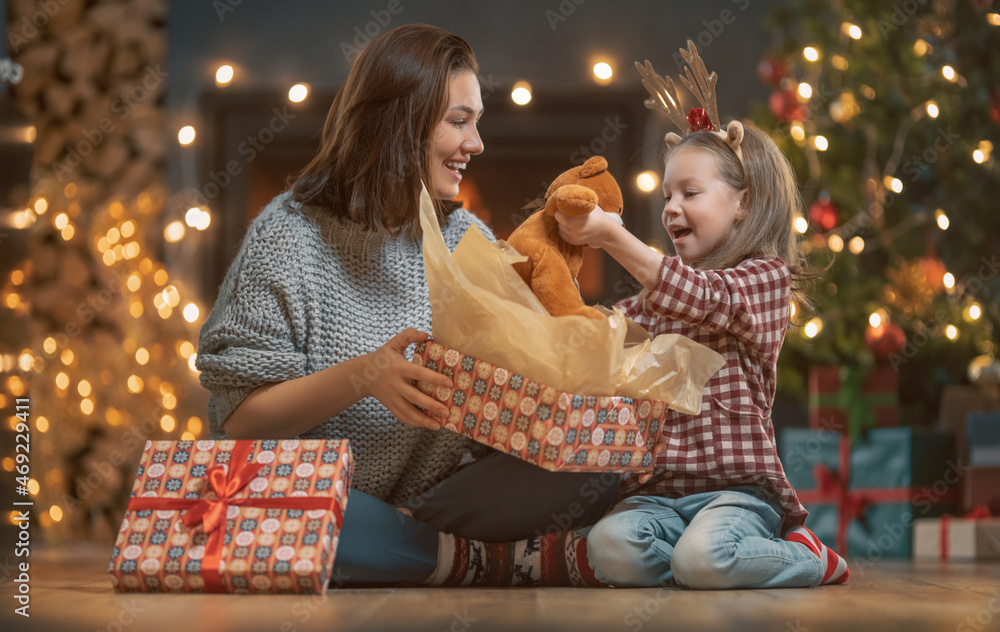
(741, 313)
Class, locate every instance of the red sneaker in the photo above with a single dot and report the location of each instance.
(835, 567)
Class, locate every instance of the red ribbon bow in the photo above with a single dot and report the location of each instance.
(211, 512)
(851, 503)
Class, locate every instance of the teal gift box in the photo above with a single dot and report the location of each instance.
(863, 496)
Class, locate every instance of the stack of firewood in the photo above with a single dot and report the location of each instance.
(94, 76)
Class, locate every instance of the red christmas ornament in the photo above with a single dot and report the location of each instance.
(771, 70)
(698, 120)
(886, 339)
(823, 213)
(785, 106)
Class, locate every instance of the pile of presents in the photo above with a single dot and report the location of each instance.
(878, 488)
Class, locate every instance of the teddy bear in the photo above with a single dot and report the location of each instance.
(552, 263)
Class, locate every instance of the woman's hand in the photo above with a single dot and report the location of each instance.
(658, 450)
(393, 381)
(592, 229)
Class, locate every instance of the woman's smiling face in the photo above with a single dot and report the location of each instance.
(456, 137)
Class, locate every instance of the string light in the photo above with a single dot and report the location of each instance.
(298, 92)
(856, 245)
(852, 30)
(191, 312)
(813, 327)
(839, 62)
(134, 384)
(952, 332)
(224, 75)
(932, 109)
(949, 280)
(921, 48)
(835, 243)
(603, 72)
(810, 53)
(56, 513)
(942, 219)
(893, 184)
(521, 93)
(993, 18)
(797, 131)
(801, 224)
(875, 319)
(168, 423)
(186, 134)
(174, 232)
(41, 205)
(972, 312)
(948, 72)
(646, 181)
(805, 90)
(821, 143)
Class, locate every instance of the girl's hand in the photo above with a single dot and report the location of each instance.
(592, 229)
(393, 381)
(658, 450)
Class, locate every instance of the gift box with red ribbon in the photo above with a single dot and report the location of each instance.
(233, 516)
(553, 429)
(863, 496)
(975, 536)
(851, 399)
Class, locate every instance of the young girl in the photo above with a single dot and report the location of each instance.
(718, 501)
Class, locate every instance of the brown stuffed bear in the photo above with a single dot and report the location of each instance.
(552, 263)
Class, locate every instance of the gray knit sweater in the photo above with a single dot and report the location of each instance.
(307, 291)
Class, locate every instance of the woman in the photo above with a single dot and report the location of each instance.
(329, 271)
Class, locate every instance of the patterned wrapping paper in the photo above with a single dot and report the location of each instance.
(553, 429)
(275, 530)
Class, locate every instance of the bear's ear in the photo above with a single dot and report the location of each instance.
(593, 166)
(671, 139)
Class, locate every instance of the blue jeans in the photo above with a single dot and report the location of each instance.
(712, 540)
(497, 498)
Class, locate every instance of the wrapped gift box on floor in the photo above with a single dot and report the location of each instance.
(982, 487)
(233, 516)
(556, 430)
(863, 497)
(983, 432)
(845, 398)
(956, 403)
(957, 539)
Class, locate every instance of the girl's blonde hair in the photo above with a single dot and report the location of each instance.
(771, 200)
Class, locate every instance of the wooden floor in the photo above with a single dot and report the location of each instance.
(70, 591)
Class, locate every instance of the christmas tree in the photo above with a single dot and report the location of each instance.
(889, 114)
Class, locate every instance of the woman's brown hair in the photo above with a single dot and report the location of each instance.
(376, 139)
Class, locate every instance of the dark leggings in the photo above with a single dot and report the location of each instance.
(497, 498)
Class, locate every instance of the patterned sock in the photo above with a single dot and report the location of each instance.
(835, 569)
(555, 559)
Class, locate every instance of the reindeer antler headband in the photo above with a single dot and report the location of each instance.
(701, 84)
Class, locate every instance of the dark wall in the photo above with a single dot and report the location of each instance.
(550, 43)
